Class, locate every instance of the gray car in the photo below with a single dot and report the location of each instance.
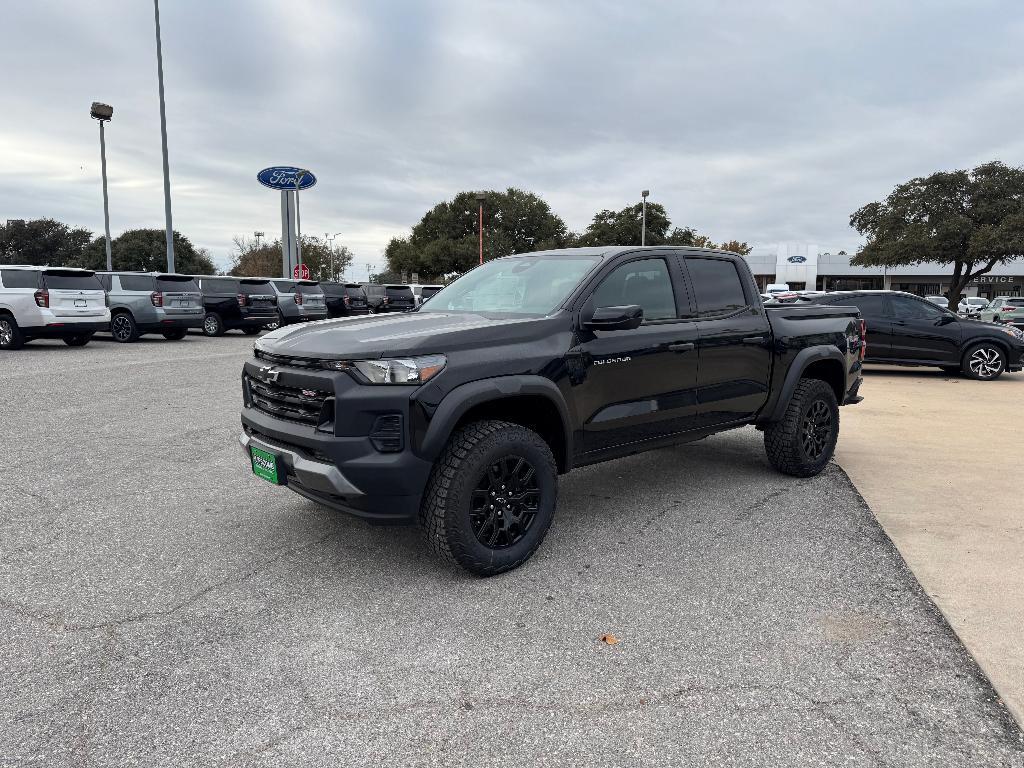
(299, 301)
(151, 302)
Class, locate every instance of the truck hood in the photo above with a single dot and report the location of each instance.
(407, 333)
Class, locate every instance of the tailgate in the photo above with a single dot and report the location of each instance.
(184, 303)
(65, 302)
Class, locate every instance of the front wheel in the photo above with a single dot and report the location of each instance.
(491, 497)
(79, 340)
(802, 443)
(213, 325)
(984, 362)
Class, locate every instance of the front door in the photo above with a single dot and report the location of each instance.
(923, 332)
(638, 384)
(734, 339)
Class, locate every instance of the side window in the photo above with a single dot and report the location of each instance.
(105, 281)
(717, 286)
(20, 278)
(136, 282)
(911, 309)
(646, 283)
(869, 306)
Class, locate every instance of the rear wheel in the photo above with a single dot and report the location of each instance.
(491, 497)
(802, 443)
(123, 328)
(213, 325)
(984, 362)
(78, 341)
(10, 334)
(176, 335)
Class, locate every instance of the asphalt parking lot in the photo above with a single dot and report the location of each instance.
(163, 607)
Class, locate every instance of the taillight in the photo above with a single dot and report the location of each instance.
(346, 300)
(243, 300)
(298, 298)
(157, 298)
(385, 300)
(863, 339)
(42, 298)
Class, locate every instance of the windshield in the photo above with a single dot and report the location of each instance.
(517, 285)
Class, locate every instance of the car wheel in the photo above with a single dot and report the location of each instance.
(10, 334)
(491, 497)
(251, 331)
(213, 325)
(176, 335)
(123, 328)
(802, 443)
(78, 341)
(984, 362)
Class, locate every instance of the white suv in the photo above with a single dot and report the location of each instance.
(50, 303)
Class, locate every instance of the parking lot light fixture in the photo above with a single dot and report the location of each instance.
(163, 139)
(480, 197)
(643, 220)
(104, 113)
(298, 218)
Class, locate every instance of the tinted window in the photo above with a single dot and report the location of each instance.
(374, 290)
(70, 281)
(429, 291)
(222, 285)
(355, 291)
(869, 305)
(20, 278)
(645, 283)
(285, 286)
(176, 284)
(310, 289)
(105, 281)
(255, 288)
(1015, 302)
(717, 286)
(904, 308)
(399, 292)
(332, 289)
(136, 282)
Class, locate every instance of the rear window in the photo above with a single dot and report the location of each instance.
(374, 290)
(310, 289)
(399, 292)
(285, 286)
(19, 278)
(355, 291)
(176, 283)
(256, 288)
(71, 281)
(332, 289)
(219, 285)
(1015, 302)
(136, 282)
(429, 290)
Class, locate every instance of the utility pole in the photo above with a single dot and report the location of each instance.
(480, 197)
(163, 140)
(643, 222)
(103, 113)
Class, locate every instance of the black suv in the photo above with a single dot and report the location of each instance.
(461, 414)
(904, 329)
(400, 298)
(246, 303)
(344, 299)
(376, 297)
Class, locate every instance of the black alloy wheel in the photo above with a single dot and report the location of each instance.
(505, 502)
(816, 430)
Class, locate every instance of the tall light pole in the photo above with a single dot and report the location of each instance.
(163, 139)
(330, 247)
(298, 218)
(480, 197)
(103, 113)
(258, 235)
(643, 221)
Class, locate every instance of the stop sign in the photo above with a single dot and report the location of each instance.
(301, 272)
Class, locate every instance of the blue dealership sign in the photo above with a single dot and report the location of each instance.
(283, 177)
(796, 259)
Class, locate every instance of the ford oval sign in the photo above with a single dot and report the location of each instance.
(284, 177)
(796, 259)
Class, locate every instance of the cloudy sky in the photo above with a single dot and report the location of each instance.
(765, 122)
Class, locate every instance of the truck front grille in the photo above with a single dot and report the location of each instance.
(301, 405)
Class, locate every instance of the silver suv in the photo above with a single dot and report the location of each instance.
(151, 302)
(299, 301)
(50, 303)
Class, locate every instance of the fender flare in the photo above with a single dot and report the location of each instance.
(465, 396)
(804, 358)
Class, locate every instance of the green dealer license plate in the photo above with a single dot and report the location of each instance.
(266, 465)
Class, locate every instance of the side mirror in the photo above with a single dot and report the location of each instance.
(622, 318)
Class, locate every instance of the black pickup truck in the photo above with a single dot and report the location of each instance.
(460, 415)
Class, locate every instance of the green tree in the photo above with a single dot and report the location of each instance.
(324, 262)
(624, 228)
(146, 250)
(972, 220)
(42, 241)
(736, 247)
(446, 239)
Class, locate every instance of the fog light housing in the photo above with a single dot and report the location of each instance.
(388, 433)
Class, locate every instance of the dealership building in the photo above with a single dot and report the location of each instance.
(801, 267)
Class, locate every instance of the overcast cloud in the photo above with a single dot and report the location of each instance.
(760, 121)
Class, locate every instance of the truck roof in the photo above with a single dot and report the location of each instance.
(614, 250)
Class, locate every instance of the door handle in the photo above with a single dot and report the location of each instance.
(753, 340)
(685, 346)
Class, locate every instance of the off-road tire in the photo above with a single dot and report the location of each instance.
(445, 509)
(176, 335)
(11, 336)
(994, 352)
(213, 325)
(124, 328)
(783, 440)
(78, 341)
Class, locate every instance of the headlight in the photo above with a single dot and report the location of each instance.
(403, 370)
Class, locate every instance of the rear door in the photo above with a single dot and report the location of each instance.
(400, 297)
(356, 297)
(922, 332)
(638, 384)
(734, 339)
(74, 294)
(313, 299)
(181, 295)
(260, 299)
